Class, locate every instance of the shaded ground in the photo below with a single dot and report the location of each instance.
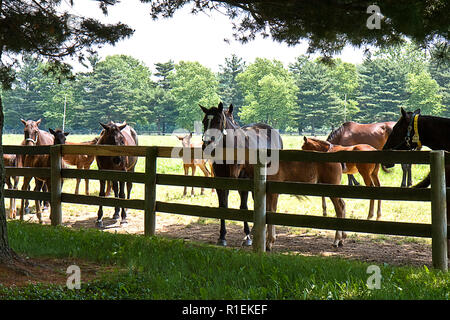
(48, 271)
(362, 247)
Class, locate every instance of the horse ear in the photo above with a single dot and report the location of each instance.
(190, 134)
(220, 106)
(38, 122)
(403, 112)
(51, 131)
(205, 110)
(24, 122)
(122, 126)
(417, 111)
(230, 109)
(104, 126)
(66, 133)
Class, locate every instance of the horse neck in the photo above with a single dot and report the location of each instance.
(45, 138)
(434, 132)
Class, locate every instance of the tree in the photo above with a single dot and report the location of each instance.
(165, 111)
(424, 94)
(229, 90)
(315, 97)
(269, 94)
(38, 27)
(118, 89)
(192, 84)
(328, 26)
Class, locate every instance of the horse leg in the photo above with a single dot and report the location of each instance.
(205, 172)
(223, 203)
(363, 170)
(404, 176)
(186, 172)
(99, 222)
(77, 187)
(376, 182)
(108, 188)
(339, 207)
(13, 209)
(26, 184)
(409, 166)
(115, 187)
(324, 206)
(247, 241)
(352, 180)
(122, 196)
(271, 201)
(193, 174)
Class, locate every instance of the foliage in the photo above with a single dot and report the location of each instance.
(157, 268)
(192, 84)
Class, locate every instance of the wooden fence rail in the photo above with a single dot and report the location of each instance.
(438, 230)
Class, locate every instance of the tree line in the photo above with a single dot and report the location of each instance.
(307, 95)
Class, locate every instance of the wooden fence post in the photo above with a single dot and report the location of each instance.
(150, 191)
(438, 210)
(259, 211)
(56, 188)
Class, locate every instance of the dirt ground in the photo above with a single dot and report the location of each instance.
(399, 251)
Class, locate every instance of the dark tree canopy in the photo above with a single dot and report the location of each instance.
(328, 25)
(40, 27)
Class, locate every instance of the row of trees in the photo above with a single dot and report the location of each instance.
(308, 95)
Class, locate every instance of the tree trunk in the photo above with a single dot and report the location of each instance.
(5, 251)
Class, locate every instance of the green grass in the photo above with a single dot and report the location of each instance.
(158, 268)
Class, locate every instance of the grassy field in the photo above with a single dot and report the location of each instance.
(158, 268)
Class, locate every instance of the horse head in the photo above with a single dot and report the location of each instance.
(311, 144)
(31, 131)
(60, 136)
(186, 140)
(214, 125)
(402, 133)
(112, 135)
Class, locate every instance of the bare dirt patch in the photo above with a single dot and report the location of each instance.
(47, 271)
(391, 250)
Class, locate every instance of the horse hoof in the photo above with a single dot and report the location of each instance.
(123, 222)
(247, 242)
(222, 242)
(99, 224)
(115, 217)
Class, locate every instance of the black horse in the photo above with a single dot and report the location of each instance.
(216, 124)
(433, 132)
(119, 135)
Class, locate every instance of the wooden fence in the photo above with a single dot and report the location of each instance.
(437, 195)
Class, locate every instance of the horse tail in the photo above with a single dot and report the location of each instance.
(424, 183)
(385, 169)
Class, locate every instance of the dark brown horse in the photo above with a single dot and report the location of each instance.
(375, 134)
(194, 163)
(286, 171)
(119, 135)
(433, 132)
(34, 137)
(10, 160)
(81, 161)
(217, 123)
(369, 171)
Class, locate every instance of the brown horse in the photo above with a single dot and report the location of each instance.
(268, 138)
(119, 135)
(375, 134)
(369, 171)
(192, 164)
(10, 160)
(34, 137)
(81, 161)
